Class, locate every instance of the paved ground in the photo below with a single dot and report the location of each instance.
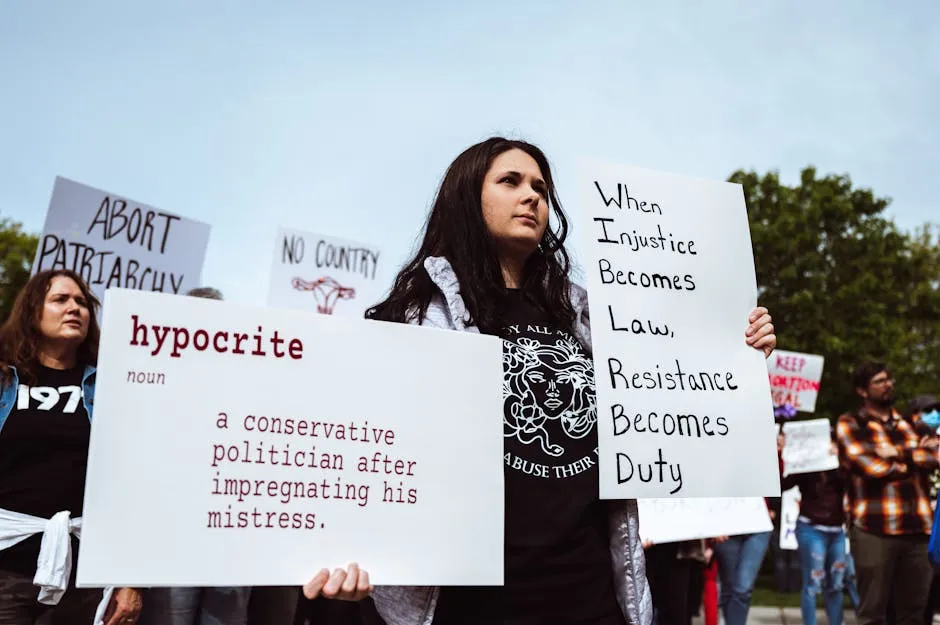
(784, 616)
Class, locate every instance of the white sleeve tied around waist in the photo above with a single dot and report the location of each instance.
(54, 565)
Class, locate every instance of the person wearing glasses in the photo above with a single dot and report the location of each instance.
(890, 522)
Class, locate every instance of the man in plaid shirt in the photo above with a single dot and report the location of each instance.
(889, 507)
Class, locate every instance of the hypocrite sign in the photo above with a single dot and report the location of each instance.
(794, 379)
(324, 274)
(683, 403)
(113, 241)
(222, 429)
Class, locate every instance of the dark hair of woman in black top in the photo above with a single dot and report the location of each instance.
(23, 334)
(456, 230)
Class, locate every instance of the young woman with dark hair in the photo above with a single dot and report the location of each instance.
(48, 354)
(492, 261)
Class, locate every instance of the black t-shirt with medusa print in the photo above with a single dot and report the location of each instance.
(558, 566)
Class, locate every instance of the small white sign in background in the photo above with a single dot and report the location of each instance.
(808, 447)
(674, 519)
(237, 446)
(794, 379)
(325, 274)
(789, 513)
(113, 241)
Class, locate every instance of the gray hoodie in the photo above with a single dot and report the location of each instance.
(414, 605)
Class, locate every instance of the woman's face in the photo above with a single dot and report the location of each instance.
(65, 313)
(515, 203)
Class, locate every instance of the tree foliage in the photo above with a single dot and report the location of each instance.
(842, 281)
(17, 250)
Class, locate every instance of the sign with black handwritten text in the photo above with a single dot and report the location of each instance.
(674, 519)
(683, 403)
(808, 447)
(324, 274)
(113, 241)
(794, 379)
(222, 429)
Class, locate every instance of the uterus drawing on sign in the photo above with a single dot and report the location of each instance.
(326, 291)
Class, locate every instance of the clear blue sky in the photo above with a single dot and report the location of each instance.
(340, 117)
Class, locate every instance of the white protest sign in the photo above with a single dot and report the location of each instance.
(794, 379)
(324, 274)
(293, 440)
(808, 447)
(683, 404)
(673, 519)
(789, 513)
(113, 241)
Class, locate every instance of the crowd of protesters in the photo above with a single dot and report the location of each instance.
(492, 257)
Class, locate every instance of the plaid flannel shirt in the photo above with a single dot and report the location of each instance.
(886, 496)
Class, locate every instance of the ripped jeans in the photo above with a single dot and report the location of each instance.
(822, 557)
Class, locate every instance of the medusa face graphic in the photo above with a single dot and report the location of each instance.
(551, 384)
(544, 383)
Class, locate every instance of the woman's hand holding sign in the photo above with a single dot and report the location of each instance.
(760, 334)
(349, 585)
(124, 607)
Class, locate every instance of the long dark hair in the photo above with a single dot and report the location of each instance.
(20, 337)
(455, 230)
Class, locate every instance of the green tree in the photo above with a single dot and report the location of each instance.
(841, 280)
(17, 250)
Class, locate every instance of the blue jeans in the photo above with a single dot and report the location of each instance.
(849, 582)
(739, 561)
(195, 606)
(822, 556)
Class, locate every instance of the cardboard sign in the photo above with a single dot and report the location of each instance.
(808, 447)
(683, 403)
(674, 519)
(324, 274)
(294, 440)
(113, 241)
(794, 379)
